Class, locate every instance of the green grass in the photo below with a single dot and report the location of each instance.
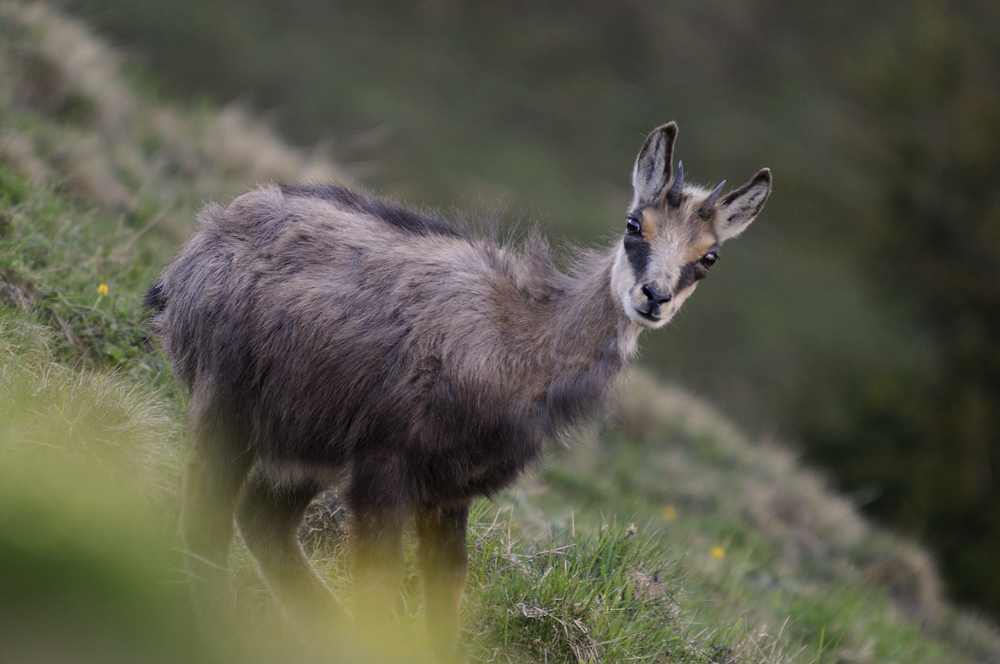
(605, 595)
(665, 536)
(762, 547)
(54, 260)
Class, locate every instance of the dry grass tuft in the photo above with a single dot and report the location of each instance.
(79, 123)
(324, 530)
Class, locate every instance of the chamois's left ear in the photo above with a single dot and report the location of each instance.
(739, 207)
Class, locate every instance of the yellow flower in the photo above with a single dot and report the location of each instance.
(718, 552)
(102, 290)
(668, 513)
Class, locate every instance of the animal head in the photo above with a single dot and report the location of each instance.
(673, 231)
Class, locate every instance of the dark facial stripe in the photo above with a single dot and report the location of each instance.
(690, 273)
(637, 251)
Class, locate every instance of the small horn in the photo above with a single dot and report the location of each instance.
(705, 211)
(674, 195)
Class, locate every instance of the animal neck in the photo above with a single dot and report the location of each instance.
(591, 344)
(591, 315)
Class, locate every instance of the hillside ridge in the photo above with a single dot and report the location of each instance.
(98, 184)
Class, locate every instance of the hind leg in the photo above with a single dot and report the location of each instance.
(269, 516)
(216, 470)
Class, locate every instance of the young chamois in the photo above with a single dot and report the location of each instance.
(327, 337)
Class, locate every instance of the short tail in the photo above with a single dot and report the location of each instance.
(156, 298)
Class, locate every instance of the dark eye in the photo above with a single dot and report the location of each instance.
(708, 260)
(633, 227)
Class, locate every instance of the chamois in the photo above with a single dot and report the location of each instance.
(329, 338)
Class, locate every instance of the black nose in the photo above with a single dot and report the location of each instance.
(655, 297)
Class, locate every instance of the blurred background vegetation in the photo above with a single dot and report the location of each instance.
(858, 319)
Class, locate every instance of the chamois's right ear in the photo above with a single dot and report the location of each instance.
(653, 167)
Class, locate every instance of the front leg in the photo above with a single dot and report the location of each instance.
(443, 559)
(378, 515)
(377, 562)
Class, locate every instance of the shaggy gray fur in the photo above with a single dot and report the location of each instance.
(329, 336)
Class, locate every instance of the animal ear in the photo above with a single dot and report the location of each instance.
(652, 169)
(739, 207)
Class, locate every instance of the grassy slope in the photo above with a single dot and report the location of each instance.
(666, 536)
(539, 108)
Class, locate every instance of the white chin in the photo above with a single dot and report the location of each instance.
(645, 321)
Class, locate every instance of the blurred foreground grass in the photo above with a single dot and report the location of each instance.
(665, 536)
(88, 570)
